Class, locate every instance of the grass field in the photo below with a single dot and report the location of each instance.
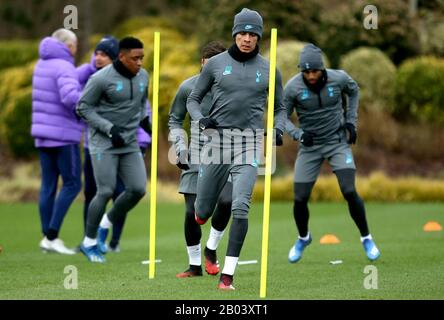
(411, 265)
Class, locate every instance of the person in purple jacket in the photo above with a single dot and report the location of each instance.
(105, 52)
(57, 132)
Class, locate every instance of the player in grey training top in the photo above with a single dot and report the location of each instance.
(113, 104)
(326, 131)
(188, 179)
(238, 81)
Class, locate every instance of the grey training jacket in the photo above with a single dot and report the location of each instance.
(322, 115)
(111, 99)
(239, 92)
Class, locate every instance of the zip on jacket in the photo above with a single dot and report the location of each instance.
(131, 86)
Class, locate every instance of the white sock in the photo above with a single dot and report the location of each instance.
(366, 237)
(214, 238)
(88, 242)
(306, 237)
(194, 255)
(105, 223)
(230, 265)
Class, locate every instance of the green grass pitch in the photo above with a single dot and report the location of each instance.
(411, 265)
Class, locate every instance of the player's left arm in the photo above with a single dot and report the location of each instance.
(203, 85)
(280, 112)
(351, 89)
(176, 119)
(145, 122)
(86, 108)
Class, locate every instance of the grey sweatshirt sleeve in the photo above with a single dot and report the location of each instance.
(175, 121)
(203, 85)
(144, 106)
(90, 98)
(351, 88)
(280, 115)
(289, 104)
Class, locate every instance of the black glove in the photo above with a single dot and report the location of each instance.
(306, 139)
(182, 160)
(146, 125)
(279, 137)
(116, 138)
(352, 135)
(207, 123)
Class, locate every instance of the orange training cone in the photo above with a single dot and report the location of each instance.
(432, 226)
(329, 239)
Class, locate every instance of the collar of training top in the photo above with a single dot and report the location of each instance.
(317, 87)
(118, 65)
(240, 56)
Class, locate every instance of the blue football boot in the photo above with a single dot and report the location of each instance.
(296, 251)
(371, 250)
(92, 253)
(102, 234)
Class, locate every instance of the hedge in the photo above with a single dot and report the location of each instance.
(375, 74)
(376, 187)
(420, 90)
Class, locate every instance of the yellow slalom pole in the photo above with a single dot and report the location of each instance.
(268, 164)
(154, 142)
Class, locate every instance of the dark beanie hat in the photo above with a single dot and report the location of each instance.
(311, 58)
(248, 21)
(110, 46)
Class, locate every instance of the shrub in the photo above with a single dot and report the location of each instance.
(432, 40)
(420, 90)
(16, 125)
(295, 19)
(375, 74)
(17, 53)
(379, 187)
(341, 30)
(376, 187)
(374, 136)
(14, 80)
(13, 83)
(133, 25)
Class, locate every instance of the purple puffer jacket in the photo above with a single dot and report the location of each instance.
(55, 93)
(86, 70)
